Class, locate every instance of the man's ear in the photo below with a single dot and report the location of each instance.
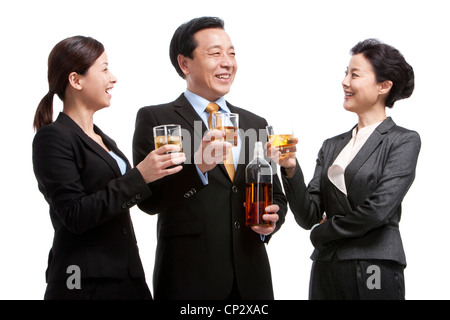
(75, 81)
(183, 62)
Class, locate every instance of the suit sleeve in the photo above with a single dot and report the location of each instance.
(305, 202)
(57, 173)
(394, 182)
(170, 189)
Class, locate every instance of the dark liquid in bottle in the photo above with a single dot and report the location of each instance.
(257, 197)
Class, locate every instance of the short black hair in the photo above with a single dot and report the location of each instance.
(388, 64)
(183, 41)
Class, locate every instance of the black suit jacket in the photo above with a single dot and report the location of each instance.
(365, 223)
(89, 202)
(203, 244)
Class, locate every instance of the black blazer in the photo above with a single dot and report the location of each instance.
(365, 223)
(203, 244)
(89, 202)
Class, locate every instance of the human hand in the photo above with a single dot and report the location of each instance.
(288, 161)
(270, 216)
(324, 218)
(211, 151)
(159, 163)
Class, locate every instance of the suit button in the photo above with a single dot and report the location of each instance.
(124, 230)
(237, 225)
(234, 189)
(190, 193)
(124, 205)
(138, 196)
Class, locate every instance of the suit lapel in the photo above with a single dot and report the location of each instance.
(113, 147)
(94, 146)
(185, 110)
(367, 149)
(343, 141)
(339, 146)
(193, 121)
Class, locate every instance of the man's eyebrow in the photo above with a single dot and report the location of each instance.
(218, 46)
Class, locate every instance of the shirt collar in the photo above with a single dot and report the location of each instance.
(200, 103)
(366, 131)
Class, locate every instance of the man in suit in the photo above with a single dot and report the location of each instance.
(204, 249)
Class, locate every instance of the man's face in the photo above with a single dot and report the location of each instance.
(212, 70)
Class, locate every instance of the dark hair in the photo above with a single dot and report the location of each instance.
(183, 41)
(74, 54)
(388, 64)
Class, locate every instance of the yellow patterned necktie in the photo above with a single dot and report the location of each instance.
(212, 108)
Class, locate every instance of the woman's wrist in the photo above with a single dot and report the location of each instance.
(289, 172)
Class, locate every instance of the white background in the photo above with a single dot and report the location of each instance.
(292, 56)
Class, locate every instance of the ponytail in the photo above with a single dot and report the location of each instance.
(74, 54)
(44, 112)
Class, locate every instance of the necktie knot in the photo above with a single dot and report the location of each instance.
(212, 107)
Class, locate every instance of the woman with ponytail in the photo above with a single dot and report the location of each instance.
(353, 203)
(88, 182)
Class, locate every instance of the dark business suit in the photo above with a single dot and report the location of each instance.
(203, 244)
(89, 202)
(364, 225)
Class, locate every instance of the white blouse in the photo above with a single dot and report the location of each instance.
(337, 170)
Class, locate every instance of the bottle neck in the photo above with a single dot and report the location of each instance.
(259, 153)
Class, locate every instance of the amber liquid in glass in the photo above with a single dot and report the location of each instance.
(257, 197)
(231, 134)
(163, 140)
(284, 143)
